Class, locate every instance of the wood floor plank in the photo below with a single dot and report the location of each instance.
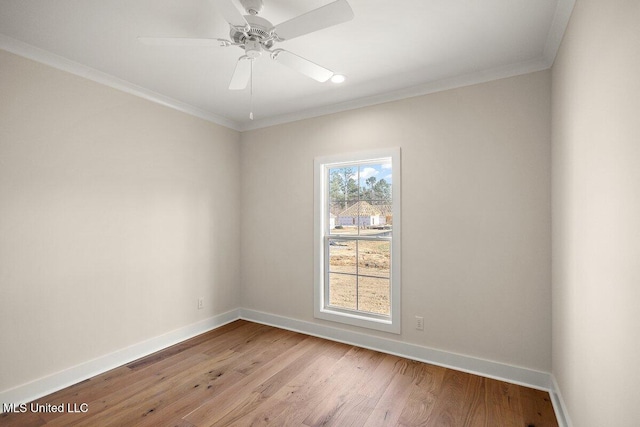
(263, 392)
(503, 404)
(206, 338)
(12, 419)
(88, 390)
(142, 397)
(358, 409)
(425, 389)
(535, 408)
(389, 407)
(163, 366)
(98, 390)
(247, 374)
(455, 399)
(350, 374)
(477, 411)
(222, 376)
(290, 405)
(266, 348)
(215, 382)
(241, 396)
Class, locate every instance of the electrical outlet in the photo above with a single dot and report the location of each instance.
(200, 303)
(420, 323)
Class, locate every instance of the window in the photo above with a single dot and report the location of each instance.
(357, 239)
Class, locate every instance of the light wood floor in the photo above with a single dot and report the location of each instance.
(249, 374)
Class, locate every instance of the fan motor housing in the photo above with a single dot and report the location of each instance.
(260, 30)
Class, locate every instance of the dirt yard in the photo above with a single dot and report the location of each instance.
(369, 290)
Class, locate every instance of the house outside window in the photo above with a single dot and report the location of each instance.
(357, 239)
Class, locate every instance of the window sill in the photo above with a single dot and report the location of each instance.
(363, 321)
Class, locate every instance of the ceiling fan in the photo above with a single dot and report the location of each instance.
(256, 35)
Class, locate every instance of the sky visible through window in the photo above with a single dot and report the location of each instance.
(378, 171)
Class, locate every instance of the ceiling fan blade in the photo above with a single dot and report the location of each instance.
(182, 41)
(231, 13)
(326, 16)
(302, 65)
(241, 74)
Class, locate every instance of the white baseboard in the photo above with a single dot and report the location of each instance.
(558, 405)
(485, 368)
(73, 375)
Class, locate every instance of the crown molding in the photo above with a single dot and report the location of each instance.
(564, 8)
(470, 79)
(56, 61)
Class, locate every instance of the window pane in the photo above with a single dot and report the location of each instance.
(342, 256)
(374, 258)
(342, 190)
(374, 182)
(373, 295)
(343, 291)
(368, 175)
(343, 184)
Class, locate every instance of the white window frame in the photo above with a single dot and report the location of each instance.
(322, 310)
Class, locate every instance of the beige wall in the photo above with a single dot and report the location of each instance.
(476, 215)
(596, 219)
(116, 214)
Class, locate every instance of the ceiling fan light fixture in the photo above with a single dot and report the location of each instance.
(338, 78)
(253, 49)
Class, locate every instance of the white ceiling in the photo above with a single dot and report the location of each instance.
(392, 49)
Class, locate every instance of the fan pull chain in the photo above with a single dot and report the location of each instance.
(251, 93)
